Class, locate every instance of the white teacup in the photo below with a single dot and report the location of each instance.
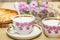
(23, 24)
(51, 26)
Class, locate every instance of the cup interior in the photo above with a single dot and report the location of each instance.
(23, 18)
(52, 21)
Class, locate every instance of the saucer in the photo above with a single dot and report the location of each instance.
(12, 33)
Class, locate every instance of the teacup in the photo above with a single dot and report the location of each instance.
(23, 24)
(51, 26)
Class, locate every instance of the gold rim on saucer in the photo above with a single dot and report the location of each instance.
(31, 37)
(11, 25)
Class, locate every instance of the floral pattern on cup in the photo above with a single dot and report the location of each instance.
(25, 24)
(55, 29)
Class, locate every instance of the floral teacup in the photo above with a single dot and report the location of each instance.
(51, 26)
(23, 24)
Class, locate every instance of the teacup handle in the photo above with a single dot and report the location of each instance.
(12, 18)
(9, 26)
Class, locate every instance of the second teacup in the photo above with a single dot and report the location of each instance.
(51, 26)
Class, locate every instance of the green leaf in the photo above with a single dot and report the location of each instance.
(28, 1)
(26, 12)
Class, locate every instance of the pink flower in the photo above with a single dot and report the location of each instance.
(54, 28)
(58, 27)
(17, 23)
(27, 28)
(20, 28)
(33, 4)
(56, 31)
(22, 5)
(27, 8)
(44, 5)
(49, 31)
(46, 26)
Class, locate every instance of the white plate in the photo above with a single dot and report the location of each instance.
(36, 32)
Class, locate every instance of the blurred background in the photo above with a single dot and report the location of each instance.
(24, 0)
(9, 3)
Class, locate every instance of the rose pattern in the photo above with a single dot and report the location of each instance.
(27, 25)
(55, 29)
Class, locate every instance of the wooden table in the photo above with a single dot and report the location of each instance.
(3, 36)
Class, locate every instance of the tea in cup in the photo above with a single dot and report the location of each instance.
(23, 24)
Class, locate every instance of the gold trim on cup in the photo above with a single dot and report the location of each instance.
(51, 18)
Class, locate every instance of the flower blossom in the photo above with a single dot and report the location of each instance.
(33, 5)
(23, 6)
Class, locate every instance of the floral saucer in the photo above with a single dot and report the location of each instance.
(12, 33)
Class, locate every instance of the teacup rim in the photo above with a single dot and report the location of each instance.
(50, 18)
(23, 15)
